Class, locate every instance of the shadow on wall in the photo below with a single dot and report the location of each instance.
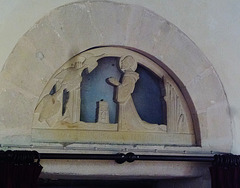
(97, 183)
(164, 183)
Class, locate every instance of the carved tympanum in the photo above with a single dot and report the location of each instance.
(59, 105)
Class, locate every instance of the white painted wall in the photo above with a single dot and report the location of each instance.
(213, 25)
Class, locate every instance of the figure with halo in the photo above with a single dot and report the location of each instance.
(128, 118)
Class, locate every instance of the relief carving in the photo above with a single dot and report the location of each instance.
(64, 97)
(128, 118)
(178, 121)
(59, 105)
(103, 112)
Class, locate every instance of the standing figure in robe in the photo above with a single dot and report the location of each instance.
(128, 118)
(53, 108)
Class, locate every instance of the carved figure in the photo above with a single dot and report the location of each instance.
(57, 106)
(128, 118)
(58, 110)
(48, 109)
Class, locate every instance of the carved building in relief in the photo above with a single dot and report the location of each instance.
(58, 110)
(103, 112)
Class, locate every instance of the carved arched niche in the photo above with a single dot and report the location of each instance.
(57, 116)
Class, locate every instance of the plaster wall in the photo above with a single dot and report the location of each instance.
(66, 31)
(214, 30)
(212, 25)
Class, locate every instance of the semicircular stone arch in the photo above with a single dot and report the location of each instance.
(79, 26)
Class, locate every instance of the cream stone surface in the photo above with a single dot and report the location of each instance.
(20, 73)
(202, 21)
(51, 56)
(211, 25)
(103, 112)
(58, 110)
(180, 51)
(164, 40)
(222, 133)
(204, 96)
(69, 25)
